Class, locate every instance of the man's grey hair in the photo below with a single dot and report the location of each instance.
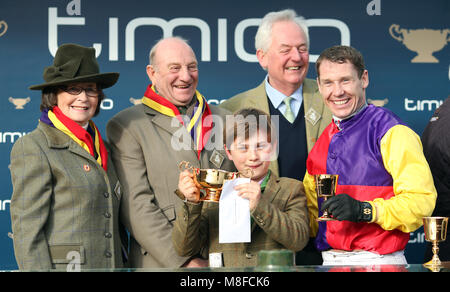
(151, 55)
(263, 38)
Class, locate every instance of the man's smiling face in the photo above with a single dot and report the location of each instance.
(287, 59)
(175, 71)
(342, 90)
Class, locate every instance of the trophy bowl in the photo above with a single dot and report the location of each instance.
(326, 187)
(210, 180)
(435, 231)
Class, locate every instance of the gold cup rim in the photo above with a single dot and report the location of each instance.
(187, 165)
(435, 217)
(212, 170)
(326, 175)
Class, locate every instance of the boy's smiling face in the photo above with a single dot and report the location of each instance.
(253, 153)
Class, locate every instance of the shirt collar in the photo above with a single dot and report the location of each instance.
(277, 97)
(338, 121)
(263, 181)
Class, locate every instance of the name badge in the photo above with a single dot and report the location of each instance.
(216, 158)
(312, 116)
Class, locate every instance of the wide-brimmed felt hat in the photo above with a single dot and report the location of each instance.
(73, 64)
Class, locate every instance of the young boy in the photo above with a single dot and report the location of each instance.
(277, 205)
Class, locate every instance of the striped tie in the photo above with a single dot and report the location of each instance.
(288, 114)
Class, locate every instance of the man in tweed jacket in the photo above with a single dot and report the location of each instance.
(282, 48)
(146, 159)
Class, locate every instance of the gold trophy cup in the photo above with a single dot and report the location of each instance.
(435, 231)
(210, 180)
(326, 187)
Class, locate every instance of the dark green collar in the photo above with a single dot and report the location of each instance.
(265, 180)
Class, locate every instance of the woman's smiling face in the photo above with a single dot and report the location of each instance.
(81, 107)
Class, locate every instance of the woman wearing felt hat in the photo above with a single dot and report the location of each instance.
(65, 202)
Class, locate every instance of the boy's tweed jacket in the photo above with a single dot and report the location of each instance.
(280, 221)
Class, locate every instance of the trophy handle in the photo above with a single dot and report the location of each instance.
(183, 165)
(186, 165)
(447, 31)
(396, 33)
(5, 25)
(248, 172)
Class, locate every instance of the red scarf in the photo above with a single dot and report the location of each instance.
(80, 135)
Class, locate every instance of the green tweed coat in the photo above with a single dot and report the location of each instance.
(317, 115)
(64, 207)
(280, 221)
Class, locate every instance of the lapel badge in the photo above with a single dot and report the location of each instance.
(86, 167)
(216, 158)
(312, 116)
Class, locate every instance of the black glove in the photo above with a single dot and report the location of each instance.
(344, 207)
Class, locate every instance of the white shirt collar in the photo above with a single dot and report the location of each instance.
(277, 97)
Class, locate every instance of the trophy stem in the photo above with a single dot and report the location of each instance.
(212, 195)
(435, 260)
(325, 216)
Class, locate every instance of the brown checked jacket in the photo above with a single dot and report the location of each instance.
(280, 221)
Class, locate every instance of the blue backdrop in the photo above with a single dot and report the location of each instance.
(404, 43)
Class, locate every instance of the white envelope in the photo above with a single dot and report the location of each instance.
(234, 214)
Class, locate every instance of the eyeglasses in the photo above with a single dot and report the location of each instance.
(75, 90)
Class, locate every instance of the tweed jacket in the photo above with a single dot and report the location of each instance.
(146, 150)
(64, 207)
(280, 221)
(317, 115)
